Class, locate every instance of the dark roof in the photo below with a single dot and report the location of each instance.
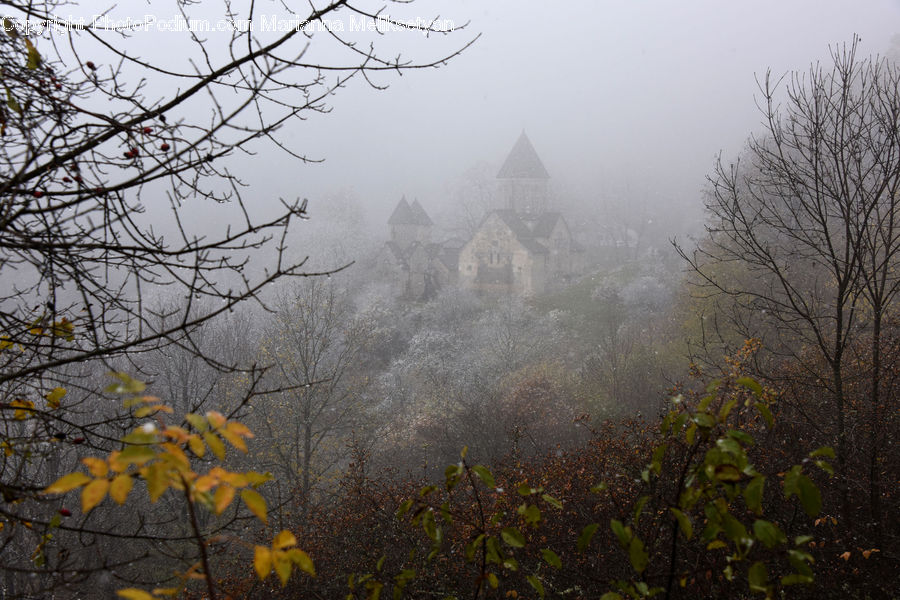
(403, 214)
(420, 217)
(528, 229)
(523, 162)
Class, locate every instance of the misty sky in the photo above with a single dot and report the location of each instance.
(618, 97)
(613, 94)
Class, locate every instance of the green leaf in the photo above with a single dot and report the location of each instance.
(796, 578)
(12, 103)
(125, 385)
(658, 454)
(766, 413)
(810, 497)
(750, 384)
(513, 537)
(611, 596)
(552, 501)
(704, 420)
(536, 584)
(621, 532)
(741, 436)
(485, 476)
(637, 555)
(639, 508)
(826, 451)
(551, 558)
(753, 494)
(684, 523)
(758, 577)
(768, 533)
(586, 534)
(34, 58)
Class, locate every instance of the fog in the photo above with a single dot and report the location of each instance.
(523, 247)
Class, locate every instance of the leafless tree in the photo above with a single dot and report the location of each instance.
(102, 147)
(806, 218)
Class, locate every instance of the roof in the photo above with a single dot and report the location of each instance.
(409, 214)
(528, 229)
(523, 162)
(403, 214)
(419, 215)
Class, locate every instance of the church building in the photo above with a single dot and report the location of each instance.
(522, 248)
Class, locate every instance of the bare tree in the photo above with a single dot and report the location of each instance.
(101, 147)
(315, 343)
(808, 216)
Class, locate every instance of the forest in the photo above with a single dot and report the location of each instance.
(205, 393)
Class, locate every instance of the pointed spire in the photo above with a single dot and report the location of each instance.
(419, 215)
(403, 214)
(523, 162)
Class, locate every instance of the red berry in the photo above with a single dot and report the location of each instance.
(66, 179)
(90, 65)
(58, 86)
(127, 154)
(148, 130)
(78, 440)
(77, 178)
(163, 146)
(65, 512)
(37, 193)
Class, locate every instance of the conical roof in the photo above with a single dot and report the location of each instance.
(403, 214)
(420, 217)
(523, 162)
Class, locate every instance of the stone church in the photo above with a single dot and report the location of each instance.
(522, 249)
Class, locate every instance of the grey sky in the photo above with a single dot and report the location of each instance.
(615, 95)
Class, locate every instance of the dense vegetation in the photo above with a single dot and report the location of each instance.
(727, 431)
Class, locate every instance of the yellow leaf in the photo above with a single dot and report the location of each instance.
(24, 409)
(157, 478)
(216, 419)
(215, 444)
(222, 498)
(302, 560)
(283, 540)
(233, 439)
(67, 482)
(255, 503)
(846, 555)
(197, 446)
(93, 494)
(166, 591)
(175, 455)
(239, 429)
(54, 397)
(174, 432)
(134, 594)
(149, 410)
(205, 483)
(262, 561)
(97, 466)
(282, 566)
(198, 422)
(120, 487)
